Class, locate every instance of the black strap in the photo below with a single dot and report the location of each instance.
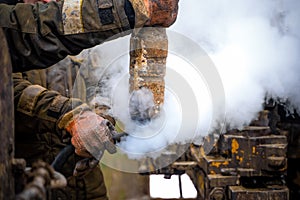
(62, 157)
(129, 13)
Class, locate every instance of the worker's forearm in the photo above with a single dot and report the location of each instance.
(37, 108)
(40, 35)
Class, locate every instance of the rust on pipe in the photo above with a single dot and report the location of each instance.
(148, 54)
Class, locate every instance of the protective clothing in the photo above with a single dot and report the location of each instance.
(41, 34)
(37, 114)
(85, 166)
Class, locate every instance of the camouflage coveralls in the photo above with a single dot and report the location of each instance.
(37, 111)
(39, 35)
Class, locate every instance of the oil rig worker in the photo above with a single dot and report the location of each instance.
(41, 129)
(39, 35)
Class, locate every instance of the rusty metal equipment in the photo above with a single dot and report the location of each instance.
(248, 164)
(148, 54)
(243, 164)
(36, 182)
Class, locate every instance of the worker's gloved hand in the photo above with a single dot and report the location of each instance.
(101, 106)
(161, 13)
(91, 134)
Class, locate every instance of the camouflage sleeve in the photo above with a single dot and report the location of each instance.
(38, 108)
(40, 34)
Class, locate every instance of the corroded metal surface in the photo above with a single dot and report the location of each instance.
(39, 180)
(242, 193)
(148, 54)
(248, 153)
(243, 164)
(252, 161)
(6, 123)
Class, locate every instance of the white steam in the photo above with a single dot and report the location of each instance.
(144, 139)
(254, 44)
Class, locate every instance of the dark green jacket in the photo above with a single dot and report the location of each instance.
(39, 35)
(36, 135)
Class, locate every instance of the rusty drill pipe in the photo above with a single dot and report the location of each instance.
(148, 54)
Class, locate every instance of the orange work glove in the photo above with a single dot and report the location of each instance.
(91, 134)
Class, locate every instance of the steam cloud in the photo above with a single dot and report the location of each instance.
(255, 46)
